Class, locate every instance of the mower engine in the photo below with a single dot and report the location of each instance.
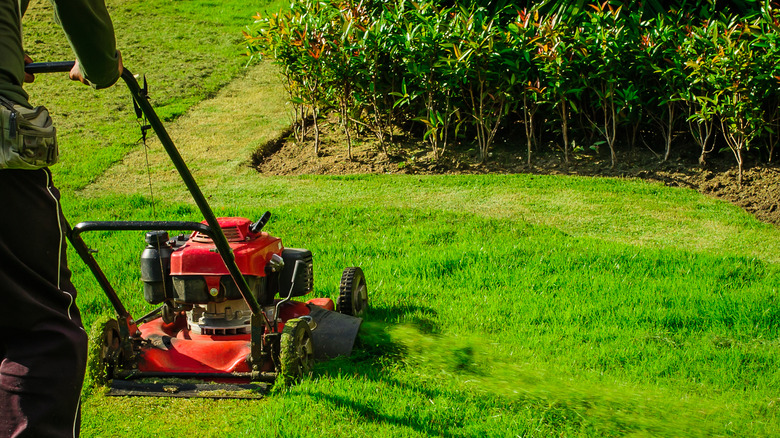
(187, 273)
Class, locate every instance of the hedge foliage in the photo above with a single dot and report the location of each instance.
(603, 77)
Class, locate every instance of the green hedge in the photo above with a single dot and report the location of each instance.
(603, 77)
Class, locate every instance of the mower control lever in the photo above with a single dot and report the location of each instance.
(258, 226)
(298, 264)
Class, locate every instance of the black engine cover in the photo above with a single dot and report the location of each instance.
(305, 281)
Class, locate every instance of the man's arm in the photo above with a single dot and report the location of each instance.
(91, 35)
(77, 75)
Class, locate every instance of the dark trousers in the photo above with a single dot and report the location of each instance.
(43, 346)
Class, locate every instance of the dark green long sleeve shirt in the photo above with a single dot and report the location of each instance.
(90, 33)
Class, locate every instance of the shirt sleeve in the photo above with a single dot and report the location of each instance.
(90, 32)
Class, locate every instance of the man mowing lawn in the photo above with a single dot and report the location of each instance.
(43, 347)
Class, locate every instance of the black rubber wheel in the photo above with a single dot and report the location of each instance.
(296, 351)
(353, 293)
(105, 352)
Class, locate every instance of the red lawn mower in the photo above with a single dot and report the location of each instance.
(225, 293)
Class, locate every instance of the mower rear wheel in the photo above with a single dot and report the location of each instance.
(353, 293)
(296, 350)
(105, 351)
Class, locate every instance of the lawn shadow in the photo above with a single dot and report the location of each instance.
(421, 317)
(378, 350)
(364, 411)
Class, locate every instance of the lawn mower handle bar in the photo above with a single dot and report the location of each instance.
(49, 67)
(216, 233)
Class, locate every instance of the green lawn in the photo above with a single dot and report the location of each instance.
(502, 305)
(548, 329)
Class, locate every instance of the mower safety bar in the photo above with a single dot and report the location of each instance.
(140, 226)
(74, 235)
(217, 235)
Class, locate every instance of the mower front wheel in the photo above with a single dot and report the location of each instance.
(296, 351)
(353, 293)
(105, 352)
